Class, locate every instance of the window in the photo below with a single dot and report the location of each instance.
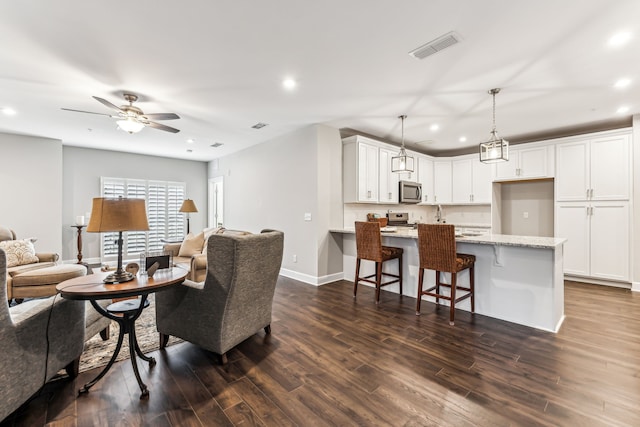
(163, 199)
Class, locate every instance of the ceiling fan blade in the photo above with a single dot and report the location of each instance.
(88, 112)
(161, 127)
(107, 103)
(162, 116)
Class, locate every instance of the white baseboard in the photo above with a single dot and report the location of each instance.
(635, 286)
(624, 285)
(312, 280)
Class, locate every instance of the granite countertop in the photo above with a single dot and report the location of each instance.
(486, 239)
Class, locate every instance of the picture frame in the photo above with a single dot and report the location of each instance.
(164, 260)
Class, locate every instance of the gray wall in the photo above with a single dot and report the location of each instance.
(273, 185)
(83, 168)
(533, 197)
(31, 186)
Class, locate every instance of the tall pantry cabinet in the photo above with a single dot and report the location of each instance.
(593, 210)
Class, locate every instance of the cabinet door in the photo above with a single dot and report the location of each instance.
(572, 223)
(461, 181)
(609, 161)
(610, 240)
(367, 173)
(388, 180)
(572, 177)
(508, 170)
(425, 177)
(532, 163)
(482, 178)
(442, 181)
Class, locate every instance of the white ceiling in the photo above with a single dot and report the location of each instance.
(220, 64)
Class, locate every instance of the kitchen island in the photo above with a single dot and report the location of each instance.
(518, 278)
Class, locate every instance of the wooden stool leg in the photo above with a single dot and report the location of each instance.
(452, 308)
(355, 282)
(378, 280)
(472, 286)
(420, 284)
(400, 272)
(437, 287)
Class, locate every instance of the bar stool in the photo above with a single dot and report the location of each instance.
(369, 247)
(437, 248)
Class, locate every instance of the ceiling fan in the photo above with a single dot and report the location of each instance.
(131, 118)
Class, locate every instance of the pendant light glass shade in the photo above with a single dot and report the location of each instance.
(495, 149)
(402, 162)
(130, 125)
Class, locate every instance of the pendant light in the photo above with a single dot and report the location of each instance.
(402, 162)
(495, 149)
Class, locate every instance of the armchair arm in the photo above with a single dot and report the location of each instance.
(172, 248)
(198, 267)
(48, 256)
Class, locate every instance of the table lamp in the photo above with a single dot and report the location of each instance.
(118, 215)
(187, 207)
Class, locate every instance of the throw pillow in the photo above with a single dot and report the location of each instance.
(191, 245)
(19, 252)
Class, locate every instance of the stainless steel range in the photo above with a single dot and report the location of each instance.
(398, 219)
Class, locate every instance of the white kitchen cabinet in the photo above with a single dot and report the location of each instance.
(598, 241)
(470, 181)
(442, 181)
(388, 184)
(594, 169)
(526, 162)
(360, 175)
(425, 177)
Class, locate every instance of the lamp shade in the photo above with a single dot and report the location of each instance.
(188, 206)
(118, 215)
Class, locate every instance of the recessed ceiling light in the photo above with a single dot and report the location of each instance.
(622, 83)
(434, 127)
(463, 139)
(191, 140)
(623, 109)
(9, 111)
(289, 84)
(189, 151)
(619, 39)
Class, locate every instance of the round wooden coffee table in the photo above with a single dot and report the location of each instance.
(92, 288)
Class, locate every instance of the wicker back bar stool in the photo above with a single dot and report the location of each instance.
(369, 247)
(437, 249)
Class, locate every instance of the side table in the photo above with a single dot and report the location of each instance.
(125, 312)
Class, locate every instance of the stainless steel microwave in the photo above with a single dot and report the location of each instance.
(410, 192)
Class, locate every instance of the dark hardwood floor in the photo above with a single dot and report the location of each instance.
(332, 360)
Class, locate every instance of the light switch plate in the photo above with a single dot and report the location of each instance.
(307, 216)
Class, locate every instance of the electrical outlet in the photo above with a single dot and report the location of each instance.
(295, 258)
(525, 215)
(307, 216)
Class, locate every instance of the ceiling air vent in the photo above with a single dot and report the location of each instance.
(216, 144)
(259, 125)
(435, 46)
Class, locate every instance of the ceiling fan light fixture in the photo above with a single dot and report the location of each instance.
(402, 162)
(130, 124)
(495, 149)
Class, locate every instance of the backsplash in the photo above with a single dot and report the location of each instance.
(465, 215)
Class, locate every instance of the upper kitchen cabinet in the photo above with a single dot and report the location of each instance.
(471, 181)
(425, 177)
(388, 183)
(442, 181)
(528, 161)
(597, 168)
(360, 170)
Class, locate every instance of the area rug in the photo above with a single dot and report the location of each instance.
(98, 352)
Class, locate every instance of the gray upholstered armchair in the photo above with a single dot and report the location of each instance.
(39, 337)
(234, 302)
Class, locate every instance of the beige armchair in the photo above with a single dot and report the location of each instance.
(235, 300)
(39, 277)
